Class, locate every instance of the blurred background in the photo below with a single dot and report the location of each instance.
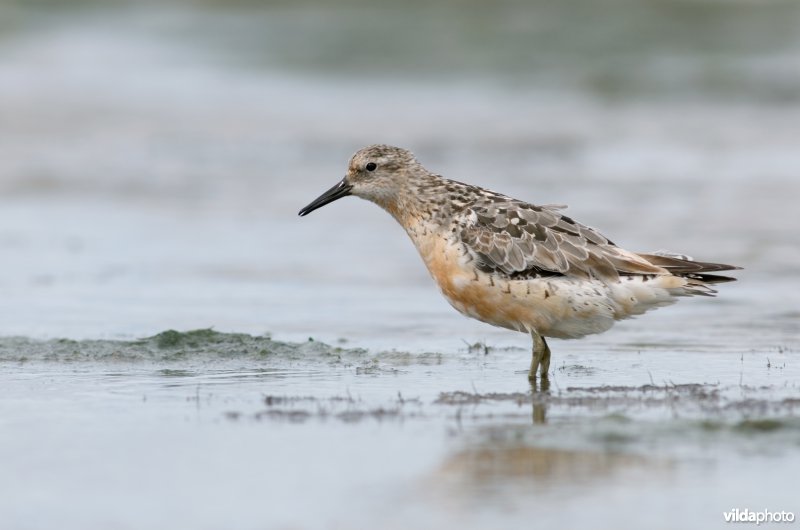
(155, 153)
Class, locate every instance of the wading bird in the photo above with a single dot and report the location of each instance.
(514, 264)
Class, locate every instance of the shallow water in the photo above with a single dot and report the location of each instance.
(212, 430)
(155, 159)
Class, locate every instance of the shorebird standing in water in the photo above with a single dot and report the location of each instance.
(513, 264)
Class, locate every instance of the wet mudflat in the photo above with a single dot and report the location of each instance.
(212, 430)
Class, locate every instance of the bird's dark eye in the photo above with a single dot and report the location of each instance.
(371, 166)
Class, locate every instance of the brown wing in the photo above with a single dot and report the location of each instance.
(521, 240)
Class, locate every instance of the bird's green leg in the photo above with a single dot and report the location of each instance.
(541, 357)
(544, 368)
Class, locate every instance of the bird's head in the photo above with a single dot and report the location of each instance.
(377, 173)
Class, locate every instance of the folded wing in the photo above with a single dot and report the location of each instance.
(521, 240)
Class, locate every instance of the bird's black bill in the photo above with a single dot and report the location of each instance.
(342, 189)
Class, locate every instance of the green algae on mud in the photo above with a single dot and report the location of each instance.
(753, 410)
(169, 345)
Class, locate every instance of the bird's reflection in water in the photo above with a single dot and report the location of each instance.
(492, 463)
(540, 390)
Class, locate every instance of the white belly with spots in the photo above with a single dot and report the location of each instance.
(557, 307)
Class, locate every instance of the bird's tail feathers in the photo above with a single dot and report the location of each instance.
(699, 274)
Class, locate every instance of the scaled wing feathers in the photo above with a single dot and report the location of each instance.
(522, 240)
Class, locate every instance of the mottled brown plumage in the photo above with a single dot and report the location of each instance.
(514, 237)
(514, 264)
